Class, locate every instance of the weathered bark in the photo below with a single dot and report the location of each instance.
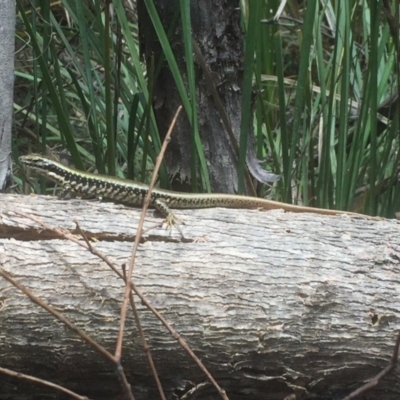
(217, 31)
(274, 303)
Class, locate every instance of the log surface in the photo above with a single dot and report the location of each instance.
(273, 303)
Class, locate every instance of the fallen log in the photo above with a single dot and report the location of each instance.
(273, 303)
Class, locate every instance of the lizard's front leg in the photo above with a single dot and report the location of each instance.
(170, 218)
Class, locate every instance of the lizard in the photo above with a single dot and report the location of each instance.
(133, 193)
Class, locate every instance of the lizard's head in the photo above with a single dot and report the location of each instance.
(36, 161)
(52, 169)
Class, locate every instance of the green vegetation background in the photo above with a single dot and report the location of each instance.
(324, 73)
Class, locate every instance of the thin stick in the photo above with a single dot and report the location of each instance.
(376, 379)
(43, 382)
(86, 338)
(181, 341)
(58, 315)
(128, 282)
(146, 347)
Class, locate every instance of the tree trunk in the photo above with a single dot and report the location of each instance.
(7, 46)
(273, 303)
(216, 30)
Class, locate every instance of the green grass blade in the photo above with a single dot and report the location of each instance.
(302, 82)
(255, 10)
(187, 43)
(61, 114)
(110, 133)
(82, 17)
(373, 105)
